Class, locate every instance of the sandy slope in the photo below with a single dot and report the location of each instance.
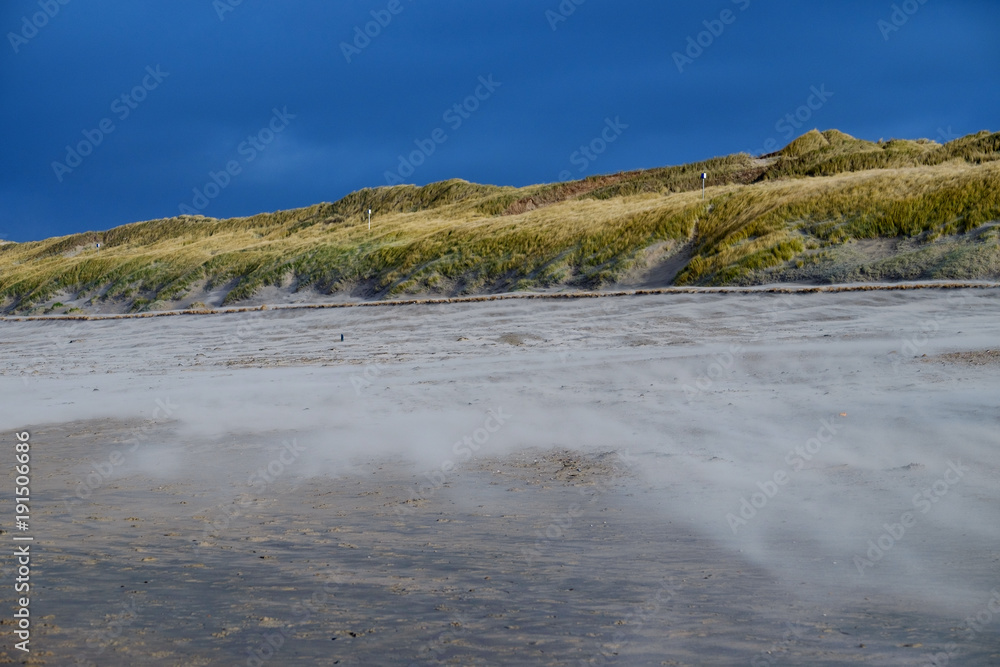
(517, 482)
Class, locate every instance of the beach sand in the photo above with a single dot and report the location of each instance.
(681, 479)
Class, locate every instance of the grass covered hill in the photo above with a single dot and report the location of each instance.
(827, 208)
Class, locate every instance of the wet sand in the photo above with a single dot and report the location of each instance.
(589, 482)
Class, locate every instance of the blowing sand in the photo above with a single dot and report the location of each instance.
(681, 479)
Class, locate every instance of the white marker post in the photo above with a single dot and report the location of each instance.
(704, 177)
(369, 219)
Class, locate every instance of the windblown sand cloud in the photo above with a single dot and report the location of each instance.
(794, 459)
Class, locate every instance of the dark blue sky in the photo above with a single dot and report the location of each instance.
(189, 88)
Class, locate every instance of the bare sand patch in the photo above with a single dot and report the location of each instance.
(970, 358)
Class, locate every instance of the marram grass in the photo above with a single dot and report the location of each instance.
(456, 238)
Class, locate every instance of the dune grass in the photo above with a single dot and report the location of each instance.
(754, 228)
(455, 238)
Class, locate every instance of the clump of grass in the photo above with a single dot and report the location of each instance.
(766, 223)
(832, 152)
